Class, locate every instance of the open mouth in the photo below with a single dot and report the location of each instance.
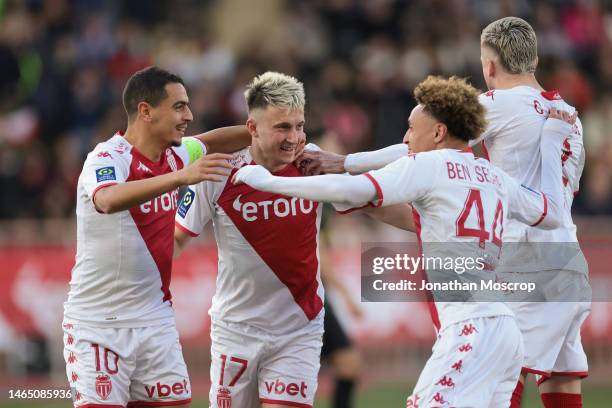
(288, 147)
(182, 128)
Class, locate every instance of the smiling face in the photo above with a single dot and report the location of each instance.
(276, 133)
(170, 118)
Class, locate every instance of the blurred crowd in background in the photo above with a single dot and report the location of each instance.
(63, 66)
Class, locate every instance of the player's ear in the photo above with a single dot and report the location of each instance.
(251, 126)
(144, 111)
(491, 68)
(440, 131)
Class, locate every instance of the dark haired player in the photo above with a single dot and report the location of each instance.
(121, 344)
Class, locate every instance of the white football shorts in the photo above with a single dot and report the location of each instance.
(250, 367)
(475, 363)
(116, 367)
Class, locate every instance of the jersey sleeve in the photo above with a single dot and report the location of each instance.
(494, 116)
(407, 179)
(358, 163)
(196, 209)
(102, 168)
(573, 158)
(190, 150)
(525, 205)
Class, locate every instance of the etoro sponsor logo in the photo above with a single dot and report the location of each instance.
(165, 390)
(278, 387)
(281, 207)
(164, 202)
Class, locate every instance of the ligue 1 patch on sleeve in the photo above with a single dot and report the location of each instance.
(105, 174)
(186, 203)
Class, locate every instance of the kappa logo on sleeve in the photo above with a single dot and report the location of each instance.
(186, 202)
(105, 174)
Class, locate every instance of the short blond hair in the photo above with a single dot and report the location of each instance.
(275, 89)
(514, 42)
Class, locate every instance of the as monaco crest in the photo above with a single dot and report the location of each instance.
(224, 398)
(104, 386)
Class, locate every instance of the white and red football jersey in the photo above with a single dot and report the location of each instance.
(511, 141)
(457, 199)
(268, 273)
(124, 260)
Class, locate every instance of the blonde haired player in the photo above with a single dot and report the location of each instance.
(517, 107)
(267, 312)
(477, 357)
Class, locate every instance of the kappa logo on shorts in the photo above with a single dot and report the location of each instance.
(446, 382)
(439, 398)
(468, 329)
(105, 174)
(104, 386)
(76, 396)
(224, 397)
(412, 402)
(465, 348)
(458, 365)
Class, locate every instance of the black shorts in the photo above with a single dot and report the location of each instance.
(334, 337)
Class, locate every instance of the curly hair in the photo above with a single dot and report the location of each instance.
(453, 102)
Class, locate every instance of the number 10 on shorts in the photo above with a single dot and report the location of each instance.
(243, 366)
(113, 370)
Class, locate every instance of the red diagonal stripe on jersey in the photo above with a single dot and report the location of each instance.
(288, 245)
(157, 225)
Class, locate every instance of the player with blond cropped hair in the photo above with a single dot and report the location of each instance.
(517, 106)
(462, 202)
(267, 312)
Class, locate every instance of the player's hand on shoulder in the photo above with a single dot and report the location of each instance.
(253, 175)
(563, 115)
(211, 167)
(559, 124)
(299, 150)
(315, 162)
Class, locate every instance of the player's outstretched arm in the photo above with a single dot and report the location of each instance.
(332, 188)
(523, 205)
(123, 196)
(226, 139)
(324, 162)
